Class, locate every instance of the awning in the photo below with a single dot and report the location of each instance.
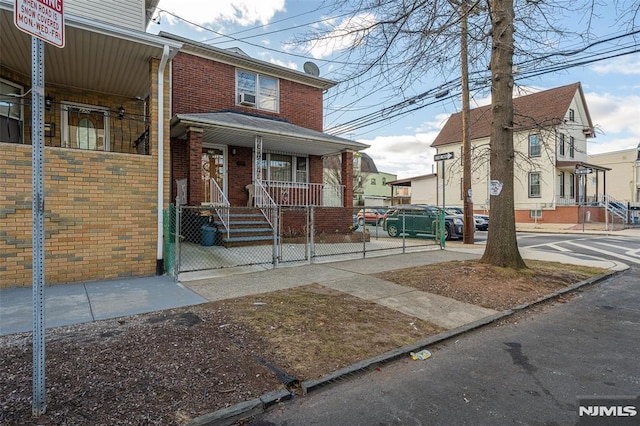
(97, 56)
(238, 129)
(573, 165)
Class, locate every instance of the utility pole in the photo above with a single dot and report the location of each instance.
(469, 223)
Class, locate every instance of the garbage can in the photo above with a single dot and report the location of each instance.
(208, 235)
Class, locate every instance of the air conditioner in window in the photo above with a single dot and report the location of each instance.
(247, 99)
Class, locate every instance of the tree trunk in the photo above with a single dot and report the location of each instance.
(502, 245)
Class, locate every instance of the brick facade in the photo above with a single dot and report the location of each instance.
(100, 215)
(201, 85)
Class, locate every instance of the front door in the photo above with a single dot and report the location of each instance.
(214, 161)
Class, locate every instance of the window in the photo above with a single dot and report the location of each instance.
(561, 184)
(535, 214)
(85, 127)
(561, 144)
(534, 185)
(373, 181)
(572, 185)
(572, 115)
(284, 168)
(257, 91)
(384, 180)
(572, 147)
(534, 145)
(10, 112)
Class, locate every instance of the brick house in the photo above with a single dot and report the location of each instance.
(106, 137)
(248, 132)
(551, 129)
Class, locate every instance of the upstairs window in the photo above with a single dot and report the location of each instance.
(561, 144)
(572, 148)
(572, 115)
(373, 181)
(257, 91)
(534, 146)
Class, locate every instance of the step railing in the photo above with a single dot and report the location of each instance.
(220, 204)
(265, 203)
(615, 207)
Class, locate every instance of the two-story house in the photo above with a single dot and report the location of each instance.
(245, 132)
(106, 136)
(551, 129)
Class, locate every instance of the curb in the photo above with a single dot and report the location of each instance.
(246, 409)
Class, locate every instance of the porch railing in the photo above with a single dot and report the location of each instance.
(220, 204)
(77, 127)
(304, 194)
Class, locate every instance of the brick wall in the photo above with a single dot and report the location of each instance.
(100, 215)
(202, 85)
(563, 214)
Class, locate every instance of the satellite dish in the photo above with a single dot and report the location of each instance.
(311, 69)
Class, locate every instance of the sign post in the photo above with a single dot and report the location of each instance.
(44, 21)
(442, 157)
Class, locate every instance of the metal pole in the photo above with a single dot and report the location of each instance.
(39, 402)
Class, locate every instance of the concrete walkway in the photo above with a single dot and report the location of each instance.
(92, 301)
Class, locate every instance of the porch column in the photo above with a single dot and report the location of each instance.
(346, 173)
(194, 150)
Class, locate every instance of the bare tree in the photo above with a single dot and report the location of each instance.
(396, 43)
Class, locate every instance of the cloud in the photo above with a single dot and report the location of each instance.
(241, 12)
(616, 117)
(344, 35)
(405, 155)
(627, 65)
(287, 64)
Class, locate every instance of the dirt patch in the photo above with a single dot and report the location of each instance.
(172, 366)
(491, 286)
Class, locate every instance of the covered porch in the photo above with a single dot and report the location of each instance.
(239, 159)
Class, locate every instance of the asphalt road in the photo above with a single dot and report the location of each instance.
(528, 370)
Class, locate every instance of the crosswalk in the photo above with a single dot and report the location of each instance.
(622, 249)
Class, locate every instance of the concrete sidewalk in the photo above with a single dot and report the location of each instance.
(92, 301)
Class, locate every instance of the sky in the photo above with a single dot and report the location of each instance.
(268, 30)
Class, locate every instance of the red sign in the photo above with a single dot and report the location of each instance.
(41, 18)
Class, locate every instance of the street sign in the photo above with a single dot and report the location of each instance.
(43, 19)
(583, 171)
(443, 156)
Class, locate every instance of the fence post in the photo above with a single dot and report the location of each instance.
(404, 234)
(312, 231)
(178, 230)
(276, 232)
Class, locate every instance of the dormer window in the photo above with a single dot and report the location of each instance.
(257, 91)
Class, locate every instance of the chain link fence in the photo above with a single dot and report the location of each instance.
(213, 237)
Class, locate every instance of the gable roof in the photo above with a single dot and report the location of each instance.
(546, 108)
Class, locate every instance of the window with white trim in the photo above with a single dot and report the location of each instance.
(561, 144)
(534, 185)
(572, 147)
(285, 168)
(535, 214)
(562, 185)
(572, 185)
(257, 91)
(10, 112)
(572, 115)
(534, 145)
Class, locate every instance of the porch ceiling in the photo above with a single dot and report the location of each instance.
(96, 57)
(230, 128)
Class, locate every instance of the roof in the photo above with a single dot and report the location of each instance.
(580, 165)
(407, 181)
(546, 108)
(240, 129)
(367, 165)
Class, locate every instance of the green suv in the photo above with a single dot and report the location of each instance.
(418, 219)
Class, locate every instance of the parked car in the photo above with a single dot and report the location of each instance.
(481, 220)
(371, 216)
(415, 219)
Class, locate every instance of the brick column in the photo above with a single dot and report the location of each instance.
(194, 151)
(347, 178)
